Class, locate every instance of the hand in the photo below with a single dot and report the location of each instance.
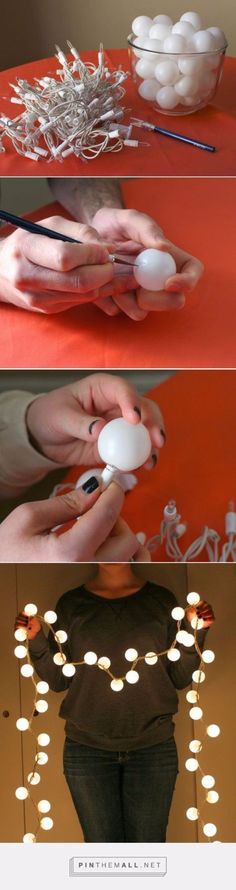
(32, 625)
(48, 276)
(128, 231)
(29, 532)
(65, 424)
(202, 610)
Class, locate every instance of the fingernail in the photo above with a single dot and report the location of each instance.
(90, 485)
(163, 434)
(91, 426)
(137, 411)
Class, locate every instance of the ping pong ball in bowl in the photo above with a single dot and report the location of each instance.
(148, 89)
(167, 72)
(193, 18)
(153, 267)
(141, 25)
(125, 446)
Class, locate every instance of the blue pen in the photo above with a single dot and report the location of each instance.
(147, 126)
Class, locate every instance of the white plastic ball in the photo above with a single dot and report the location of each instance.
(104, 663)
(185, 638)
(167, 72)
(190, 66)
(193, 598)
(131, 654)
(159, 31)
(195, 746)
(46, 823)
(132, 677)
(150, 48)
(42, 687)
(31, 610)
(185, 29)
(186, 86)
(151, 658)
(173, 654)
(21, 793)
(213, 730)
(208, 781)
(193, 18)
(196, 713)
(208, 656)
(167, 98)
(59, 658)
(212, 797)
(192, 813)
(61, 636)
(33, 778)
(124, 445)
(198, 676)
(27, 670)
(41, 758)
(202, 42)
(90, 658)
(192, 696)
(136, 43)
(148, 89)
(209, 829)
(20, 634)
(174, 43)
(41, 706)
(50, 616)
(141, 25)
(197, 623)
(154, 267)
(20, 651)
(44, 806)
(117, 685)
(178, 613)
(43, 739)
(163, 20)
(68, 670)
(145, 69)
(22, 724)
(191, 764)
(29, 838)
(219, 37)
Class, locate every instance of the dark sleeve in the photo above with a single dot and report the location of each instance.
(41, 651)
(180, 672)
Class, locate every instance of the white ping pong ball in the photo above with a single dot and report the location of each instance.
(193, 18)
(153, 267)
(141, 25)
(125, 446)
(203, 42)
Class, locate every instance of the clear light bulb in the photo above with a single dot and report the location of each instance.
(41, 706)
(196, 713)
(104, 662)
(208, 781)
(193, 598)
(178, 613)
(185, 638)
(131, 654)
(69, 670)
(151, 658)
(208, 656)
(61, 636)
(27, 670)
(42, 687)
(30, 609)
(22, 724)
(43, 739)
(59, 658)
(153, 267)
(209, 829)
(33, 778)
(173, 654)
(192, 696)
(132, 677)
(117, 685)
(44, 806)
(192, 813)
(124, 446)
(20, 634)
(195, 746)
(46, 823)
(90, 658)
(212, 797)
(41, 758)
(213, 730)
(29, 838)
(21, 793)
(50, 616)
(191, 764)
(198, 676)
(20, 651)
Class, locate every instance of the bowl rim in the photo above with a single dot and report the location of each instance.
(209, 52)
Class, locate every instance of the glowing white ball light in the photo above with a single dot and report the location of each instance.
(44, 806)
(193, 598)
(173, 654)
(20, 634)
(42, 687)
(20, 651)
(208, 781)
(41, 705)
(151, 658)
(198, 676)
(153, 267)
(213, 730)
(192, 813)
(191, 764)
(61, 636)
(90, 658)
(185, 638)
(212, 797)
(30, 609)
(131, 654)
(29, 838)
(178, 613)
(22, 724)
(41, 758)
(21, 793)
(59, 658)
(192, 696)
(195, 746)
(124, 445)
(196, 713)
(208, 656)
(43, 739)
(46, 823)
(209, 829)
(68, 670)
(104, 662)
(132, 677)
(34, 778)
(27, 670)
(117, 685)
(50, 617)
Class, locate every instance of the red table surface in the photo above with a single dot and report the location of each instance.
(197, 466)
(199, 215)
(215, 125)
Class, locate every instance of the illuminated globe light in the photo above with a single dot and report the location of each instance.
(185, 638)
(34, 778)
(131, 654)
(50, 617)
(196, 713)
(192, 813)
(104, 662)
(27, 670)
(195, 746)
(212, 797)
(197, 623)
(198, 676)
(208, 656)
(208, 782)
(90, 658)
(191, 764)
(173, 654)
(59, 658)
(151, 658)
(213, 730)
(42, 687)
(193, 598)
(41, 758)
(44, 806)
(192, 696)
(69, 670)
(30, 609)
(46, 823)
(117, 685)
(43, 739)
(132, 677)
(22, 724)
(141, 25)
(61, 636)
(21, 793)
(29, 838)
(209, 829)
(178, 613)
(20, 651)
(153, 267)
(125, 446)
(20, 634)
(41, 706)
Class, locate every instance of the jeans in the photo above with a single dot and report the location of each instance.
(122, 795)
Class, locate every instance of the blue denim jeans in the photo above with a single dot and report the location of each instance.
(122, 795)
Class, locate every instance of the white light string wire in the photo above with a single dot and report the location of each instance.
(92, 660)
(78, 112)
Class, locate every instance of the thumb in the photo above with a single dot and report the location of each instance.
(43, 516)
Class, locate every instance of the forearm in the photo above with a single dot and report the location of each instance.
(84, 197)
(20, 464)
(41, 656)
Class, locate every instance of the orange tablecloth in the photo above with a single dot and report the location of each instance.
(196, 214)
(165, 157)
(197, 465)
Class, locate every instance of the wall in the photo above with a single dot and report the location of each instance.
(32, 27)
(44, 584)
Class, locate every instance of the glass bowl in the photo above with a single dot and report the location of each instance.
(175, 83)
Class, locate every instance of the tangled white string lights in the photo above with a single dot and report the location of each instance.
(91, 659)
(78, 112)
(172, 529)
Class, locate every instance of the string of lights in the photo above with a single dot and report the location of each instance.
(103, 663)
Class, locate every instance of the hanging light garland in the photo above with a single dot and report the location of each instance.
(103, 663)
